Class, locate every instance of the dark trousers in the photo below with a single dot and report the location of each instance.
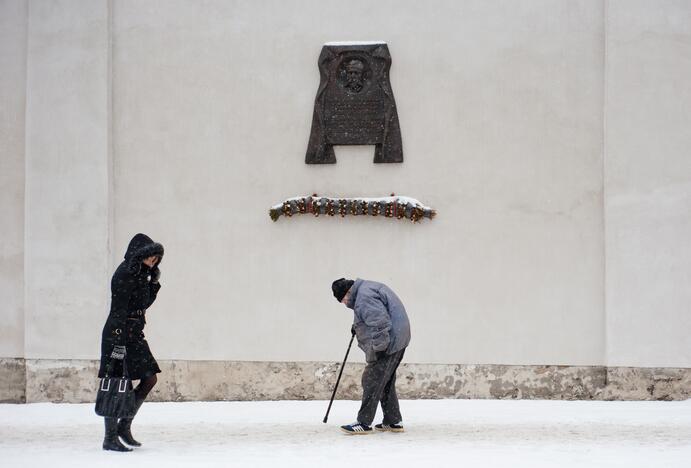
(379, 385)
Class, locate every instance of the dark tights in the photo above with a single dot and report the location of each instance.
(145, 386)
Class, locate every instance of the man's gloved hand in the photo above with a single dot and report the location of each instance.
(155, 274)
(118, 352)
(380, 355)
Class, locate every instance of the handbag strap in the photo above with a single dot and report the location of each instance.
(109, 368)
(125, 374)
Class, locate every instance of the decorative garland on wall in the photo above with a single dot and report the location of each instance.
(398, 207)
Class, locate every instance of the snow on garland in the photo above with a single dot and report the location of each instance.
(398, 207)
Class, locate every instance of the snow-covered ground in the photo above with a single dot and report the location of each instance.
(440, 433)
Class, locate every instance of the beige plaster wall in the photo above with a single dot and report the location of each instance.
(67, 185)
(13, 22)
(500, 106)
(648, 183)
(188, 120)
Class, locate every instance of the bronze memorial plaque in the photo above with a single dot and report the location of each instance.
(354, 103)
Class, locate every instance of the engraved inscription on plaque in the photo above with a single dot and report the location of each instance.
(355, 123)
(354, 103)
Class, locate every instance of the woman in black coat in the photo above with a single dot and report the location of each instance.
(134, 287)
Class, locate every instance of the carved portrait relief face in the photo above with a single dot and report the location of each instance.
(354, 75)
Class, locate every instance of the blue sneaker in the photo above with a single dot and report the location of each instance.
(389, 428)
(357, 429)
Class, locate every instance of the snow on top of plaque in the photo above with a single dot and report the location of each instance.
(351, 43)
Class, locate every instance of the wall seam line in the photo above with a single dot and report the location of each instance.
(26, 184)
(605, 27)
(110, 175)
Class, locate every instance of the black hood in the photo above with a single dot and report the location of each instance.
(141, 246)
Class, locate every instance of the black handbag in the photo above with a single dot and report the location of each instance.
(115, 397)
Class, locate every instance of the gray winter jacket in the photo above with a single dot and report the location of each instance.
(381, 323)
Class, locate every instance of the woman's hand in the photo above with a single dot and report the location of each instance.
(155, 275)
(118, 352)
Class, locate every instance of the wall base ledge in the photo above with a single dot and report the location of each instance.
(75, 381)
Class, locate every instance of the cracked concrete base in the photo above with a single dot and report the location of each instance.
(75, 381)
(640, 383)
(12, 380)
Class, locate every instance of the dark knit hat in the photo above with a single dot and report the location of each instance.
(340, 287)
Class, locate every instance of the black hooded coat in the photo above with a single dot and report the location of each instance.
(134, 287)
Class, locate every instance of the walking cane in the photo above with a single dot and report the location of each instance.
(326, 416)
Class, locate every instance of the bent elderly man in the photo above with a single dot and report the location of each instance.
(383, 333)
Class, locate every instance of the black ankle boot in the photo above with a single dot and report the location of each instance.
(111, 441)
(125, 425)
